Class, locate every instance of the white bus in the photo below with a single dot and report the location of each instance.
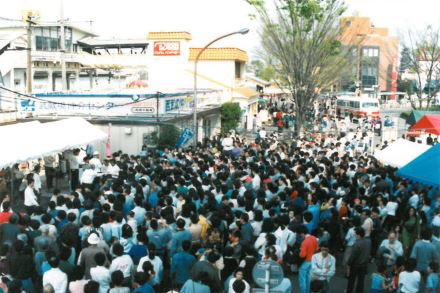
(358, 106)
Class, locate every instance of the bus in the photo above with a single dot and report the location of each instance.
(357, 106)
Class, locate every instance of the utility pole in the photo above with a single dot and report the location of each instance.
(157, 113)
(29, 55)
(62, 48)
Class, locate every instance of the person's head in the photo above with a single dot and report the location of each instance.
(359, 232)
(239, 286)
(100, 258)
(239, 274)
(117, 278)
(426, 234)
(53, 261)
(118, 249)
(392, 237)
(324, 248)
(381, 269)
(186, 245)
(140, 278)
(91, 286)
(411, 264)
(180, 223)
(302, 230)
(48, 289)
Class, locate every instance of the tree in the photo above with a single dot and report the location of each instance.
(263, 70)
(230, 116)
(168, 136)
(303, 39)
(423, 56)
(405, 60)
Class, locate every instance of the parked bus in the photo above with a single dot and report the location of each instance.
(358, 106)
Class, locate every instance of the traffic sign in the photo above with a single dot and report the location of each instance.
(260, 269)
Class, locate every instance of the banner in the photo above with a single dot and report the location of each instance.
(184, 137)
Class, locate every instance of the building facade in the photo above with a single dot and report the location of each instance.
(374, 55)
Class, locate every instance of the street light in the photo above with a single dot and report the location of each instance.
(242, 32)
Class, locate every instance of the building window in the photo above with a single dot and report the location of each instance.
(370, 52)
(237, 69)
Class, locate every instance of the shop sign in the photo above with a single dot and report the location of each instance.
(167, 48)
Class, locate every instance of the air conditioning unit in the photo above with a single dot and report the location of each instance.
(128, 130)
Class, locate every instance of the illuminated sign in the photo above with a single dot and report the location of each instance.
(167, 48)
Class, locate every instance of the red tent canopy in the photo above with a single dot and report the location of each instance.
(428, 123)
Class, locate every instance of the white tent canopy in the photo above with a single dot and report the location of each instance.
(400, 153)
(27, 141)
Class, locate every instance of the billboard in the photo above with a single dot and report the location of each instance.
(166, 48)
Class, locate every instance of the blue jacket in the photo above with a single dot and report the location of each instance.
(146, 288)
(314, 209)
(194, 287)
(424, 252)
(178, 238)
(181, 264)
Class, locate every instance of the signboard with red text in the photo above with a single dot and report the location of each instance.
(166, 48)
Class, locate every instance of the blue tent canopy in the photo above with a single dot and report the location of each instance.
(425, 168)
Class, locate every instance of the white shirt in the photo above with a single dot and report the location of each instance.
(97, 163)
(247, 288)
(57, 279)
(284, 237)
(157, 266)
(74, 163)
(323, 268)
(124, 264)
(37, 182)
(88, 176)
(113, 170)
(227, 143)
(101, 275)
(30, 199)
(409, 282)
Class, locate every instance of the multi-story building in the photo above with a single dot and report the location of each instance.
(100, 69)
(374, 55)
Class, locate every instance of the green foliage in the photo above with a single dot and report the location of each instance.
(168, 136)
(303, 40)
(262, 70)
(230, 116)
(405, 115)
(405, 59)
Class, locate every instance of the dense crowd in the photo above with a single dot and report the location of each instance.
(198, 220)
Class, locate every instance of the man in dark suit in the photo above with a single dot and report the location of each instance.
(358, 261)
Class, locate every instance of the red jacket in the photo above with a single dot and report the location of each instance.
(308, 247)
(4, 217)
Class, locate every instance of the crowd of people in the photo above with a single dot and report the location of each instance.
(199, 219)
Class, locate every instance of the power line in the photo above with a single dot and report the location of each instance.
(108, 105)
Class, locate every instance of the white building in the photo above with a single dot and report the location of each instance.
(163, 61)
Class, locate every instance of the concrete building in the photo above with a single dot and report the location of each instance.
(374, 54)
(100, 69)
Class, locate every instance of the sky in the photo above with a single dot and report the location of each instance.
(206, 19)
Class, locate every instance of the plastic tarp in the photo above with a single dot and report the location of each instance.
(417, 115)
(400, 153)
(429, 124)
(425, 168)
(15, 143)
(27, 141)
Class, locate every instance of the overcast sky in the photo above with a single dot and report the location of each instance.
(206, 19)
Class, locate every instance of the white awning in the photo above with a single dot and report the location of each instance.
(27, 141)
(400, 153)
